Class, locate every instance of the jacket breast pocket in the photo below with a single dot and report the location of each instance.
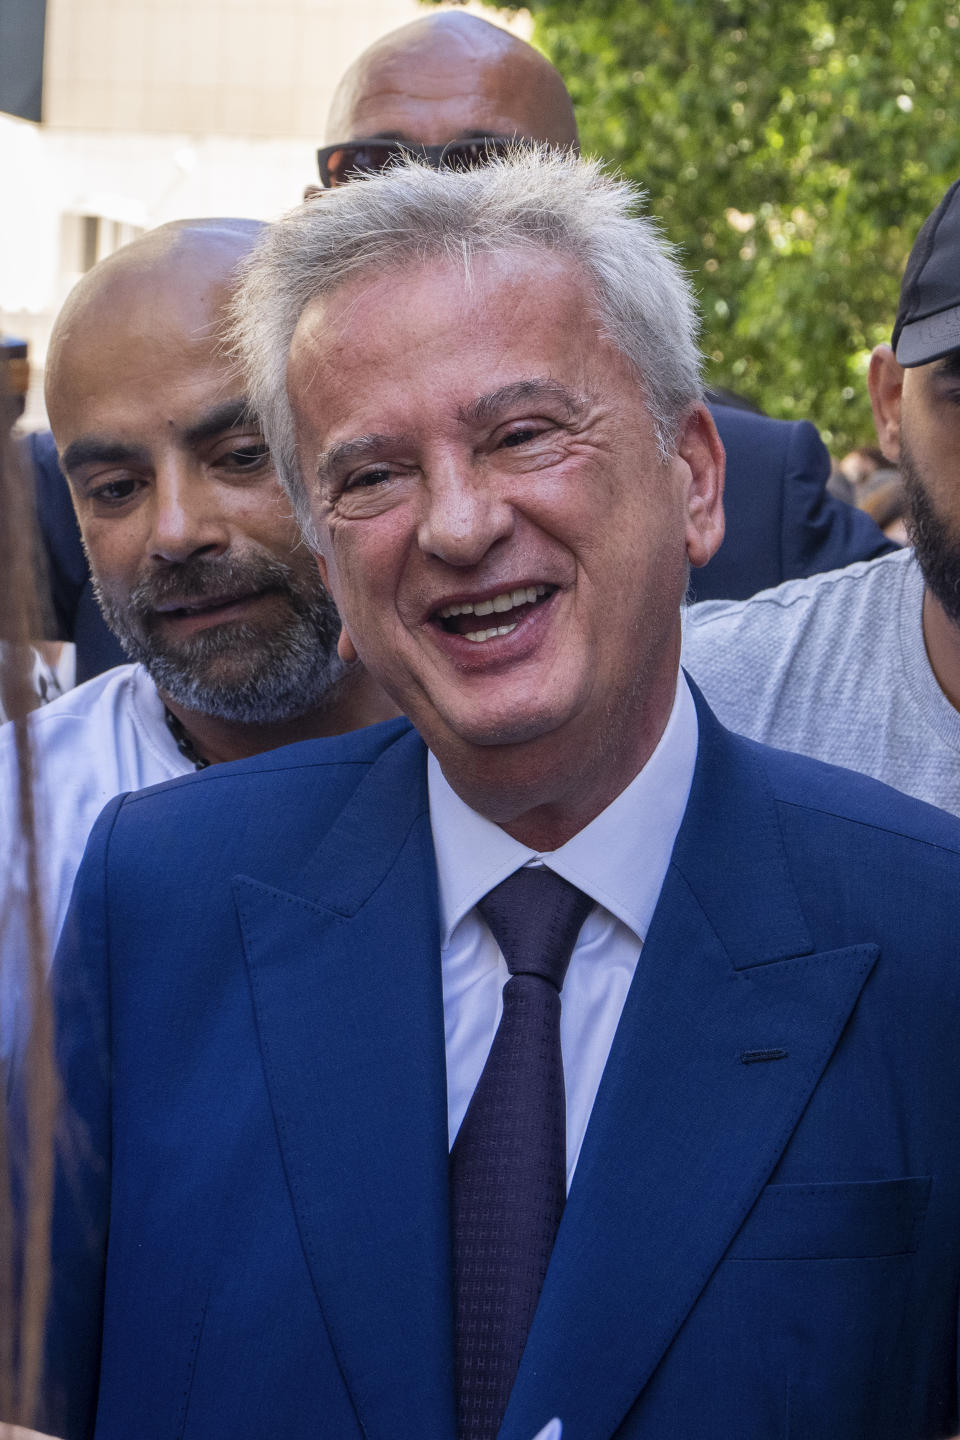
(848, 1220)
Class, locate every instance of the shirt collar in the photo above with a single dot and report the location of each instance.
(620, 859)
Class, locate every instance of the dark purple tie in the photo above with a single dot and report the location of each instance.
(508, 1163)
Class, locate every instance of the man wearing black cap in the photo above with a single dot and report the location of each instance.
(861, 666)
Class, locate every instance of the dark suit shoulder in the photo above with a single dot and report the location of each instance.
(788, 855)
(357, 749)
(837, 794)
(782, 522)
(747, 427)
(254, 814)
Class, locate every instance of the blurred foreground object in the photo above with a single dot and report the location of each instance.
(15, 366)
(26, 1130)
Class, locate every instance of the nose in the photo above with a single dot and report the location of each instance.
(463, 515)
(186, 519)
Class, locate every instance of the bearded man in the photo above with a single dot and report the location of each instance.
(195, 555)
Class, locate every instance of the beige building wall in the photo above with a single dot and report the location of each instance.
(258, 68)
(156, 110)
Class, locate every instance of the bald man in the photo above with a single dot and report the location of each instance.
(452, 76)
(196, 559)
(462, 87)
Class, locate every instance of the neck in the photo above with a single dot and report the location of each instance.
(356, 700)
(942, 639)
(545, 791)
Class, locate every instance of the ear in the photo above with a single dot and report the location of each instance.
(701, 449)
(345, 648)
(885, 383)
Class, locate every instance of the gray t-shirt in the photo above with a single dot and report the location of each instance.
(834, 666)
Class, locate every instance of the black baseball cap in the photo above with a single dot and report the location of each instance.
(928, 317)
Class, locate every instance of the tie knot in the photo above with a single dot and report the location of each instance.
(535, 917)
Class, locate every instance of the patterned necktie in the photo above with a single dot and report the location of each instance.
(508, 1163)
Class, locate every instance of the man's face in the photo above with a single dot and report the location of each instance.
(194, 554)
(506, 546)
(918, 421)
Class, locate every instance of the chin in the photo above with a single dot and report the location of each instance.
(504, 727)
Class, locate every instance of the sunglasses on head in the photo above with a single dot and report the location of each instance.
(339, 163)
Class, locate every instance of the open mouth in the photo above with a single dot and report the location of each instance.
(482, 620)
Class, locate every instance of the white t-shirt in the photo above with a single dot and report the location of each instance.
(834, 666)
(47, 681)
(100, 739)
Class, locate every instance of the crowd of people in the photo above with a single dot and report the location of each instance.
(464, 1023)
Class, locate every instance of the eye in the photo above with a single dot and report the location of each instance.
(519, 437)
(248, 456)
(371, 488)
(367, 479)
(522, 432)
(112, 494)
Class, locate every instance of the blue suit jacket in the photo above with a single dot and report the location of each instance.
(761, 1238)
(782, 523)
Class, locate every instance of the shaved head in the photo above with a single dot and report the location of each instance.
(190, 264)
(450, 76)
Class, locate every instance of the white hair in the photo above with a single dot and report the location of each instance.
(535, 198)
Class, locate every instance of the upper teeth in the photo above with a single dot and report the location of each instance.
(526, 595)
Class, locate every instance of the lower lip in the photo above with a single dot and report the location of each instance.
(500, 649)
(188, 622)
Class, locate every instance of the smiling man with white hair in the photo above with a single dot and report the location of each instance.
(536, 1058)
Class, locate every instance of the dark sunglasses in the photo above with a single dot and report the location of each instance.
(339, 163)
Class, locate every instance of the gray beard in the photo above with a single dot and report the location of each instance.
(936, 549)
(240, 672)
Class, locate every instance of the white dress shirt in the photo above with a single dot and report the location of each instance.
(620, 860)
(96, 741)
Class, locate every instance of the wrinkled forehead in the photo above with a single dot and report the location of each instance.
(423, 349)
(350, 315)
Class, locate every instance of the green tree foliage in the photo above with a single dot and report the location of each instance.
(792, 150)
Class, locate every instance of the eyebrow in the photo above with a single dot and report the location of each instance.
(91, 450)
(521, 392)
(481, 411)
(99, 450)
(351, 452)
(226, 416)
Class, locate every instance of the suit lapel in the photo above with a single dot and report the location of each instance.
(345, 979)
(689, 1121)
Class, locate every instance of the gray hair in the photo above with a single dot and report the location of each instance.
(536, 198)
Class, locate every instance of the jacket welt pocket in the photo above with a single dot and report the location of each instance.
(845, 1221)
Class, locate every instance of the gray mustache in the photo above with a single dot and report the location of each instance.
(200, 579)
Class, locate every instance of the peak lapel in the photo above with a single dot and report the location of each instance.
(345, 979)
(726, 1030)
